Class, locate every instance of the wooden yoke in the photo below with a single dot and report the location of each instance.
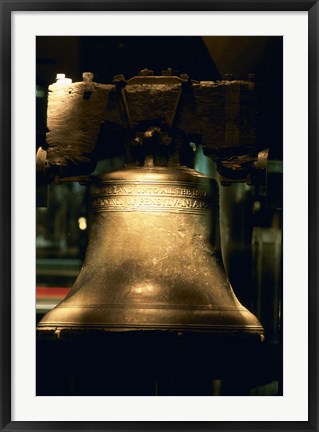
(88, 122)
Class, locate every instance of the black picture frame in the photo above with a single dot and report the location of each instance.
(7, 7)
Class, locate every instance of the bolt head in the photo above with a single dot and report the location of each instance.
(118, 78)
(87, 76)
(146, 72)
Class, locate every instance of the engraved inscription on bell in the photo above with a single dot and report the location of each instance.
(158, 197)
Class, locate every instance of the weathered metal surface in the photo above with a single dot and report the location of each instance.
(153, 259)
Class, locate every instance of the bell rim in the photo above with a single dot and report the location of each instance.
(216, 320)
(216, 329)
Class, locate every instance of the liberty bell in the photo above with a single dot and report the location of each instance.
(153, 260)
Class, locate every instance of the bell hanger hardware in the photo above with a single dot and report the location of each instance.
(153, 260)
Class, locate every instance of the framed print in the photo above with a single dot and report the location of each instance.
(158, 188)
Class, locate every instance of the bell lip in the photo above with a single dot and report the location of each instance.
(200, 327)
(123, 317)
(229, 331)
(120, 327)
(174, 338)
(158, 336)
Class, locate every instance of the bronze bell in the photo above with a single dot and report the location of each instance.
(153, 259)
